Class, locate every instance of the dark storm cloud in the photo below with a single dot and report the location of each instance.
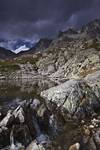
(31, 19)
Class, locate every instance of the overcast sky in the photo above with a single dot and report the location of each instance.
(32, 19)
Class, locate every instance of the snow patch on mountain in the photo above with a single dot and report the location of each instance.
(21, 48)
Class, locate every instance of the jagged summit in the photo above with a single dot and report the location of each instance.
(92, 28)
(69, 31)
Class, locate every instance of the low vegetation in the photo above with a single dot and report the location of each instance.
(8, 66)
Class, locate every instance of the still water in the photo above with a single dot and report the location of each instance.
(12, 91)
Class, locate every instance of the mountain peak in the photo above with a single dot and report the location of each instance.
(92, 28)
(69, 31)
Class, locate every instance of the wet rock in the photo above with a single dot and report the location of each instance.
(19, 113)
(53, 123)
(17, 146)
(35, 104)
(13, 145)
(6, 119)
(43, 139)
(35, 146)
(42, 109)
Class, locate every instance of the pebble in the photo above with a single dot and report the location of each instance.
(95, 121)
(91, 126)
(75, 147)
(82, 121)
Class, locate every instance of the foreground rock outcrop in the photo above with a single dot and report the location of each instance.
(27, 123)
(35, 125)
(65, 116)
(75, 98)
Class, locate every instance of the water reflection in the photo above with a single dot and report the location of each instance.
(14, 91)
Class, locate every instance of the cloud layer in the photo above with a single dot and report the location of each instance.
(29, 19)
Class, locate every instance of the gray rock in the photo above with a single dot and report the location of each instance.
(6, 119)
(43, 139)
(19, 113)
(93, 78)
(74, 97)
(35, 146)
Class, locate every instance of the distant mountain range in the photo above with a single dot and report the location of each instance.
(21, 47)
(16, 45)
(24, 48)
(39, 46)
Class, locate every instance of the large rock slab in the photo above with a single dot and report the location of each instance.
(74, 97)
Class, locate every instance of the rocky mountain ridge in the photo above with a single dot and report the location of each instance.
(73, 54)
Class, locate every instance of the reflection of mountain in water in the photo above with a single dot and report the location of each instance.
(12, 91)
